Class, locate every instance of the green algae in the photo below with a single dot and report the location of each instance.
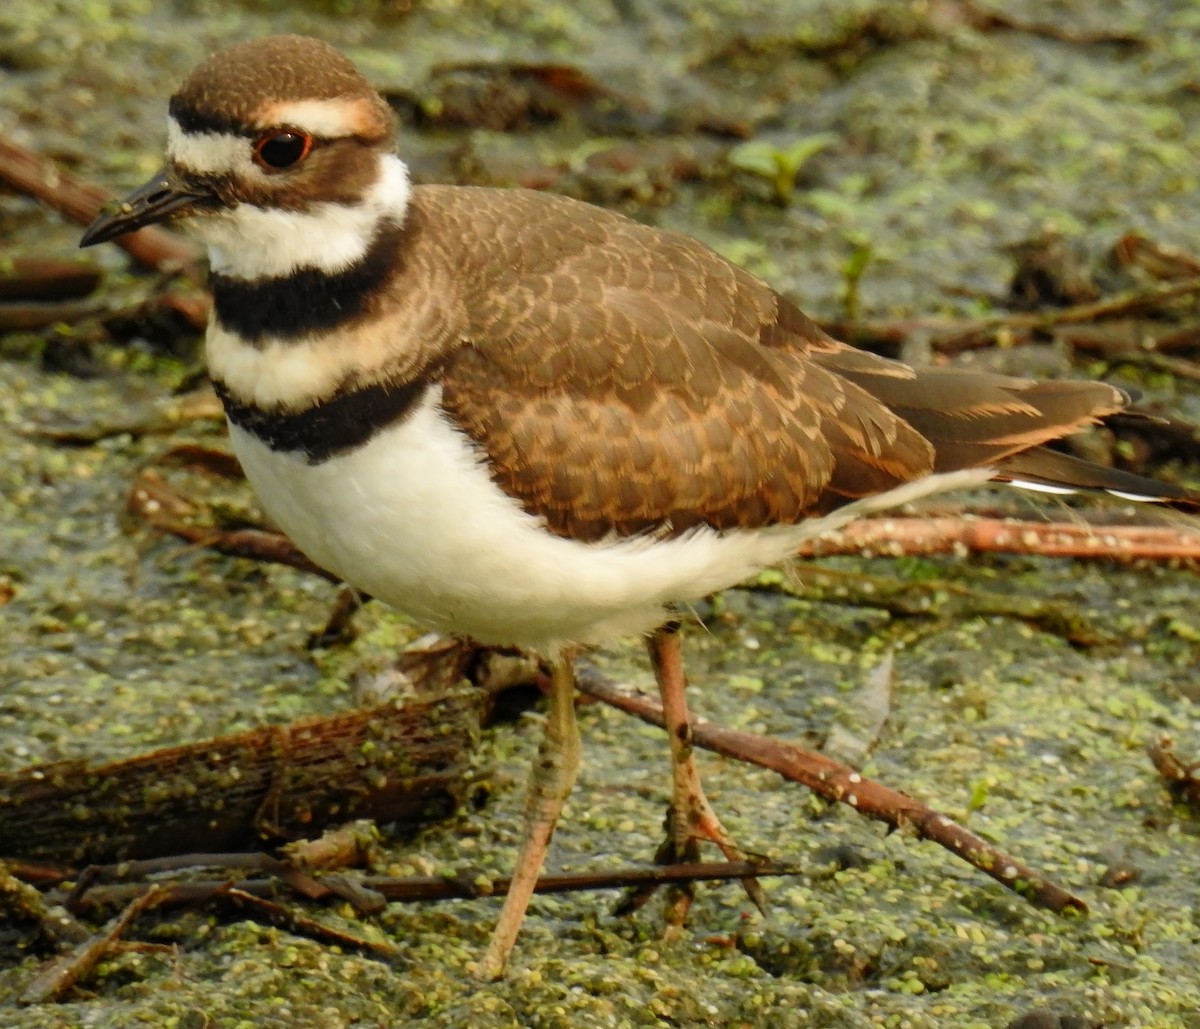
(953, 142)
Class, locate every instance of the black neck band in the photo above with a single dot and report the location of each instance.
(342, 423)
(307, 301)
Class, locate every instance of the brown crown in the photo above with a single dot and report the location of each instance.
(227, 91)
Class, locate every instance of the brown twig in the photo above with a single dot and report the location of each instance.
(256, 544)
(1179, 367)
(38, 177)
(1135, 301)
(211, 460)
(275, 913)
(21, 901)
(840, 783)
(29, 316)
(44, 278)
(1125, 337)
(1160, 260)
(953, 335)
(469, 884)
(985, 19)
(1180, 775)
(1108, 339)
(63, 972)
(895, 537)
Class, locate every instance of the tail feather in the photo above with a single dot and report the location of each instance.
(1049, 470)
(989, 421)
(978, 418)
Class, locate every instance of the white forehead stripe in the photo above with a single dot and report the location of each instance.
(329, 119)
(208, 153)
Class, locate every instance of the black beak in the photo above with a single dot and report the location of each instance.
(157, 200)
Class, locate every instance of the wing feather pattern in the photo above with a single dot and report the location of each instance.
(659, 387)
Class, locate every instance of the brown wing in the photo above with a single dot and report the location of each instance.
(642, 397)
(632, 380)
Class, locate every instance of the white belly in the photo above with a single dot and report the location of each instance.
(413, 519)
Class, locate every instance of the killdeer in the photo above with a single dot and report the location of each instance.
(530, 421)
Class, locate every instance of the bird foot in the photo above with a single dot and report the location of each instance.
(682, 846)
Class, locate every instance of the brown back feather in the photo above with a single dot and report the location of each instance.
(631, 380)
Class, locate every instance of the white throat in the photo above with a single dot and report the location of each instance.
(250, 242)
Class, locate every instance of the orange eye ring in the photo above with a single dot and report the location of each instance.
(280, 149)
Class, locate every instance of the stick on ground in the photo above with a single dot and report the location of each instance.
(837, 782)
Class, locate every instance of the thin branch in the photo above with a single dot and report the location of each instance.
(1180, 775)
(840, 783)
(469, 884)
(895, 537)
(63, 972)
(37, 176)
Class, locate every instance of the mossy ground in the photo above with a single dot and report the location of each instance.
(951, 142)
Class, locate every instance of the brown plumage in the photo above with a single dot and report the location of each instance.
(660, 387)
(619, 379)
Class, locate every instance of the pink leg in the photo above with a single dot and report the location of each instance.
(692, 818)
(551, 782)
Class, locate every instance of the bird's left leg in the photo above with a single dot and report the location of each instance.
(550, 784)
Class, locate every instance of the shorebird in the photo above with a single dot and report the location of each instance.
(527, 420)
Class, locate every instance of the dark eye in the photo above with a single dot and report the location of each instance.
(282, 149)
